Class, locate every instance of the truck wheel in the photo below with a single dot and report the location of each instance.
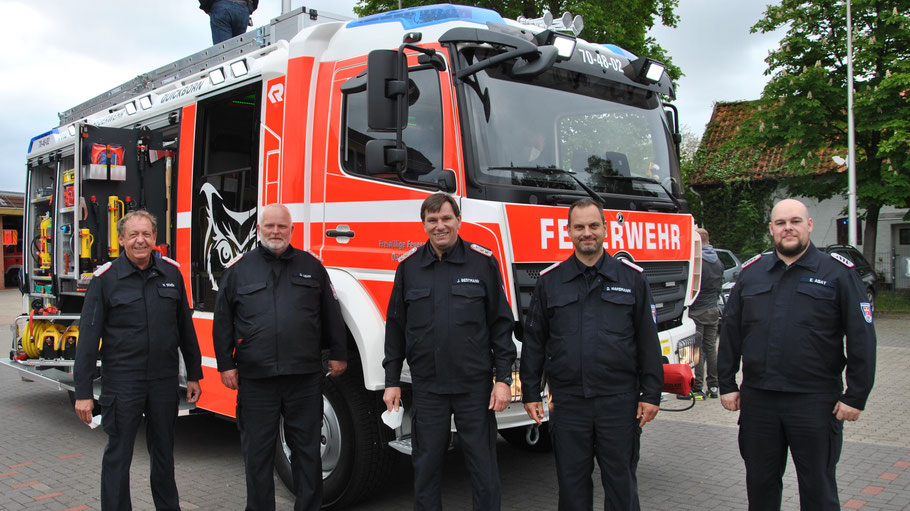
(355, 456)
(526, 438)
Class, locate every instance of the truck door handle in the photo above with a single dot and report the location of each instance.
(342, 231)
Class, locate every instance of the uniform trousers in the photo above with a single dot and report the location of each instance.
(604, 428)
(261, 402)
(476, 426)
(770, 422)
(122, 405)
(706, 324)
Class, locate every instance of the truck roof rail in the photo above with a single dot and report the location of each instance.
(284, 27)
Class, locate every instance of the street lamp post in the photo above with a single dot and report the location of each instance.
(851, 156)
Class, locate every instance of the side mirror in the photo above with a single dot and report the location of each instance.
(387, 90)
(384, 157)
(446, 181)
(544, 60)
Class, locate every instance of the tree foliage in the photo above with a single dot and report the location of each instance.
(805, 102)
(624, 23)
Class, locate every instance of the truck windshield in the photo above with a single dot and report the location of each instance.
(612, 136)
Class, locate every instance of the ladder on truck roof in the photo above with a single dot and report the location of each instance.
(283, 27)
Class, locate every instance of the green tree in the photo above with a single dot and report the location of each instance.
(805, 102)
(624, 23)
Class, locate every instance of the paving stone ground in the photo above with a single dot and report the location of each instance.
(49, 460)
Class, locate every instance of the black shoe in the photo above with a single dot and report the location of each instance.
(712, 392)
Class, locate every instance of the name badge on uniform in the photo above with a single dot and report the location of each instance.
(167, 284)
(304, 275)
(654, 313)
(467, 280)
(867, 311)
(617, 289)
(813, 280)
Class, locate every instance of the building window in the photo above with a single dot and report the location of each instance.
(905, 236)
(842, 234)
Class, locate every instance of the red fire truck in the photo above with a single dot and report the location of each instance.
(351, 124)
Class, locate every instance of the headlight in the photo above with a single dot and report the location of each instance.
(688, 352)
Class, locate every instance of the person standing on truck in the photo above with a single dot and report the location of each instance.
(449, 317)
(275, 310)
(228, 18)
(592, 326)
(787, 319)
(137, 304)
(704, 313)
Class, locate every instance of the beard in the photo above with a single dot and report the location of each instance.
(275, 246)
(792, 251)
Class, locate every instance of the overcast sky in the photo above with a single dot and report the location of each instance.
(59, 53)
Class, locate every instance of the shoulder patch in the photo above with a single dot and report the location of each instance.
(752, 260)
(481, 250)
(407, 254)
(171, 261)
(234, 260)
(632, 265)
(548, 268)
(103, 268)
(843, 260)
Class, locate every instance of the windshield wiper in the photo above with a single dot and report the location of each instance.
(643, 179)
(556, 170)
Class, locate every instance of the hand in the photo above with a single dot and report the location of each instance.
(846, 412)
(193, 391)
(500, 397)
(230, 379)
(84, 409)
(337, 367)
(535, 411)
(730, 401)
(646, 412)
(392, 398)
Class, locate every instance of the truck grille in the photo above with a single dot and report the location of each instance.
(667, 281)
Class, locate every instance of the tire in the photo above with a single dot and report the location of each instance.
(355, 456)
(870, 295)
(539, 441)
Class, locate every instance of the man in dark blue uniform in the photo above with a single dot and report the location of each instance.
(786, 320)
(592, 326)
(137, 304)
(274, 311)
(449, 316)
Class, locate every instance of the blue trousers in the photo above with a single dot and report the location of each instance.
(261, 402)
(228, 19)
(476, 424)
(122, 405)
(602, 428)
(770, 423)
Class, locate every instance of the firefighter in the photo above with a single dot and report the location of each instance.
(137, 304)
(449, 317)
(786, 320)
(592, 326)
(274, 311)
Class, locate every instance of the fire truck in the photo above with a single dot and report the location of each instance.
(351, 124)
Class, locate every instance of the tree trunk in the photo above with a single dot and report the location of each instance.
(870, 232)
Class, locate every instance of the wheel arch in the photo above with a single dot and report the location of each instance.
(366, 324)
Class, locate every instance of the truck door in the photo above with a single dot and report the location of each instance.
(224, 190)
(371, 218)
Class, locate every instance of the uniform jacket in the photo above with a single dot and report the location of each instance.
(273, 315)
(450, 318)
(142, 321)
(593, 339)
(787, 325)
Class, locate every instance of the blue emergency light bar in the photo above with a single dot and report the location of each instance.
(423, 16)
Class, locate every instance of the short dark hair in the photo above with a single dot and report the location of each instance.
(140, 213)
(434, 203)
(583, 203)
